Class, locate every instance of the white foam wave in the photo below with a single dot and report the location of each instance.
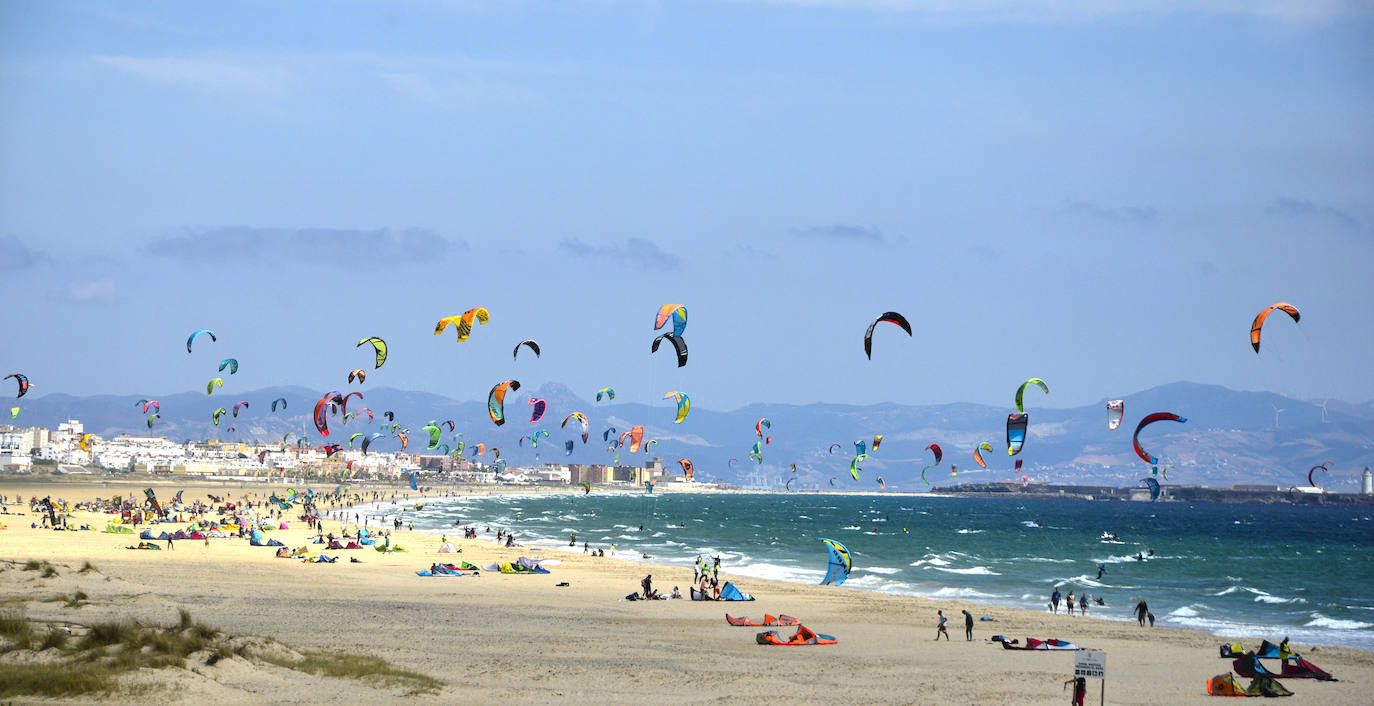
(879, 570)
(960, 592)
(1184, 612)
(1321, 621)
(970, 531)
(974, 571)
(1046, 559)
(1276, 600)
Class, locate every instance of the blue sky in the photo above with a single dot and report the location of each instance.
(1100, 195)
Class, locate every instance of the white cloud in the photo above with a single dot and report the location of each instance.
(220, 75)
(95, 291)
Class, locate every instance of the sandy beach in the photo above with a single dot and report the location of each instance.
(521, 638)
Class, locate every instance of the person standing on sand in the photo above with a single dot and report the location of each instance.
(647, 584)
(968, 626)
(1054, 601)
(1083, 604)
(1069, 603)
(940, 629)
(1141, 609)
(1151, 616)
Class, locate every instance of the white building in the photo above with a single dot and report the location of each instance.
(1367, 482)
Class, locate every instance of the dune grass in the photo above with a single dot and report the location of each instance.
(361, 667)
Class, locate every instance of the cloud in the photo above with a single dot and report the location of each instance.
(749, 252)
(1300, 209)
(329, 246)
(14, 255)
(218, 75)
(97, 291)
(839, 233)
(635, 251)
(1113, 214)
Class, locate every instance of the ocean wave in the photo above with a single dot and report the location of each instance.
(1276, 600)
(974, 571)
(1046, 559)
(1321, 621)
(961, 592)
(1188, 611)
(879, 570)
(970, 531)
(931, 559)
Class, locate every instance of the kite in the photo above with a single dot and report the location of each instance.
(854, 465)
(1258, 323)
(1148, 420)
(677, 313)
(515, 354)
(219, 413)
(151, 418)
(378, 347)
(890, 317)
(788, 485)
(321, 422)
(538, 412)
(464, 322)
(1021, 391)
(860, 447)
(586, 488)
(881, 485)
(497, 397)
(636, 436)
(354, 436)
(435, 435)
(282, 400)
(833, 447)
(840, 564)
(23, 381)
(1311, 482)
(568, 447)
(193, 336)
(610, 394)
(231, 363)
(1116, 409)
(237, 406)
(582, 419)
(1016, 432)
(1150, 483)
(877, 440)
(359, 374)
(684, 404)
(14, 412)
(978, 453)
(688, 469)
(939, 456)
(679, 345)
(148, 403)
(762, 424)
(210, 386)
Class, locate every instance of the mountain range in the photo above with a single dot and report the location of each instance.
(1230, 437)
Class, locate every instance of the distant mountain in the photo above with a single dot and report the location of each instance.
(1230, 437)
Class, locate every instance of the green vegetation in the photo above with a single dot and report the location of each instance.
(88, 567)
(92, 663)
(361, 667)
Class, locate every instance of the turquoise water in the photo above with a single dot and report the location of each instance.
(1239, 570)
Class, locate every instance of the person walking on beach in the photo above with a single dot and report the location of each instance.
(648, 585)
(1141, 609)
(940, 629)
(1054, 601)
(1083, 604)
(1151, 616)
(1069, 603)
(968, 626)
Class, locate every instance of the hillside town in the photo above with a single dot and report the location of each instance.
(69, 449)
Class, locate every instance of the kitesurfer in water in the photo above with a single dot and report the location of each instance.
(1100, 569)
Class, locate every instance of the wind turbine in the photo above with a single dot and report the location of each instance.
(1277, 412)
(1323, 406)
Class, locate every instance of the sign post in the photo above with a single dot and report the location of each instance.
(1092, 664)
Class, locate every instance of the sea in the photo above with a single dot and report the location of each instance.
(1239, 570)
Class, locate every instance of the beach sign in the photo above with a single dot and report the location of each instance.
(1090, 663)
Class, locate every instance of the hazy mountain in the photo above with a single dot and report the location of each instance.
(1230, 437)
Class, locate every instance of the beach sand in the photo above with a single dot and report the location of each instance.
(521, 639)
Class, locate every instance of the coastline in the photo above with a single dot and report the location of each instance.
(523, 639)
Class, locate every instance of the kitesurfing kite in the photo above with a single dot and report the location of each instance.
(23, 382)
(840, 564)
(687, 469)
(239, 405)
(1312, 482)
(1148, 420)
(1258, 323)
(1016, 432)
(1021, 391)
(231, 363)
(1116, 409)
(195, 334)
(359, 374)
(528, 343)
(978, 453)
(679, 345)
(608, 392)
(279, 400)
(378, 347)
(582, 419)
(463, 322)
(1153, 485)
(939, 456)
(684, 405)
(677, 313)
(496, 399)
(539, 406)
(210, 386)
(890, 317)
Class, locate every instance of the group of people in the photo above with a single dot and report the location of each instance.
(652, 594)
(1056, 597)
(940, 628)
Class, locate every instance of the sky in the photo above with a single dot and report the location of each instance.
(1102, 195)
